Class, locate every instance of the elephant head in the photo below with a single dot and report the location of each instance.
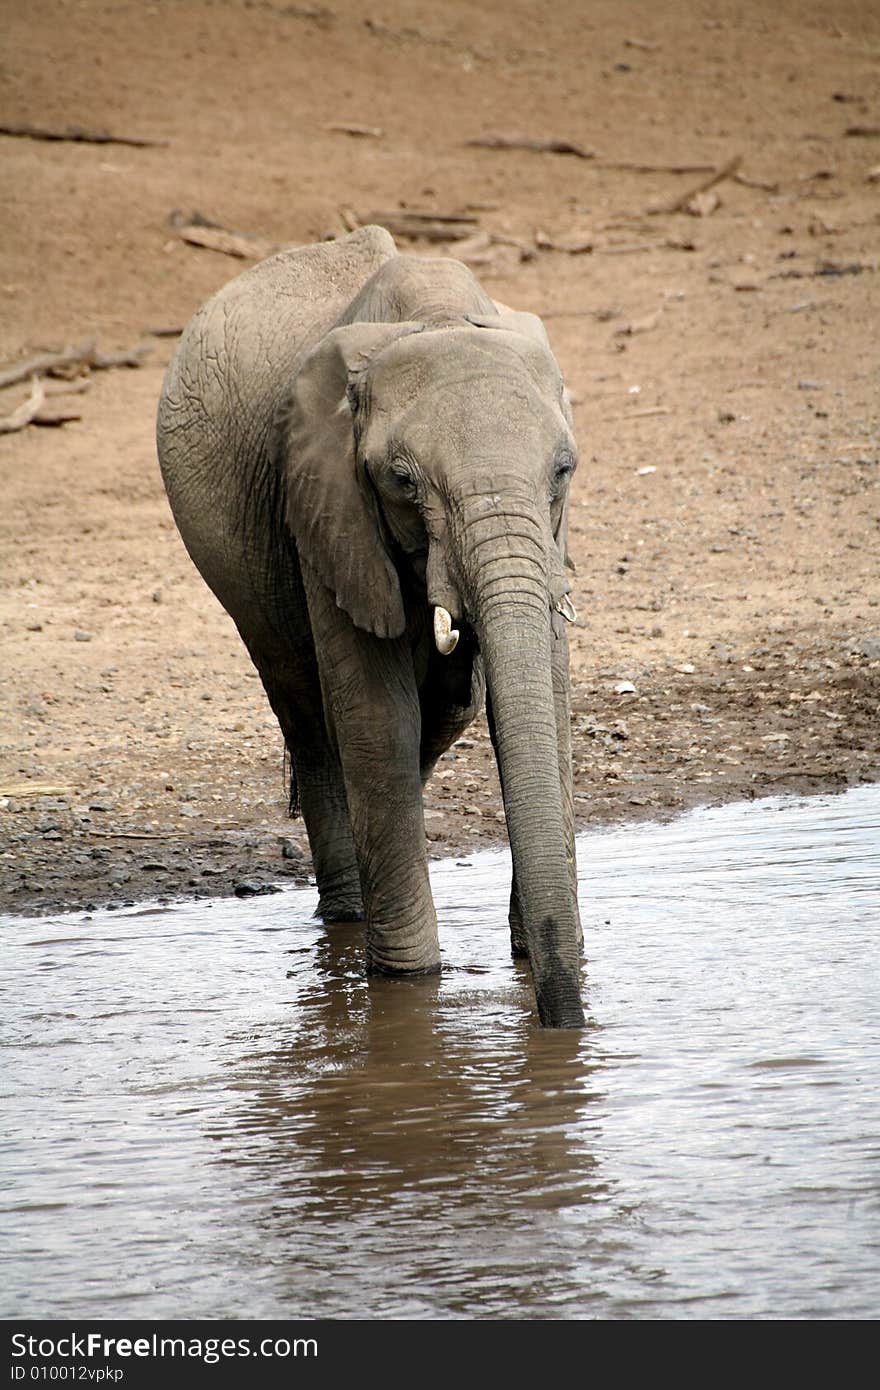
(432, 457)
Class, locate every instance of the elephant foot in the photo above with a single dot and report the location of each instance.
(394, 957)
(333, 910)
(406, 972)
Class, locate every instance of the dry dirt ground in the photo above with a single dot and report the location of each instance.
(724, 368)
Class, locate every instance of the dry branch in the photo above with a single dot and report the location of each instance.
(761, 184)
(229, 243)
(46, 362)
(67, 388)
(127, 357)
(430, 226)
(642, 325)
(628, 167)
(38, 410)
(19, 790)
(426, 215)
(641, 414)
(527, 142)
(349, 219)
(370, 132)
(56, 412)
(630, 248)
(573, 243)
(73, 361)
(23, 414)
(79, 136)
(680, 203)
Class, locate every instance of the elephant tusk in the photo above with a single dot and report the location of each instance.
(565, 606)
(445, 635)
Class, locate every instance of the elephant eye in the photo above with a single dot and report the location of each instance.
(562, 472)
(403, 483)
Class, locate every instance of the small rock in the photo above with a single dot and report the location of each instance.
(809, 386)
(80, 636)
(247, 889)
(33, 627)
(624, 688)
(291, 850)
(868, 647)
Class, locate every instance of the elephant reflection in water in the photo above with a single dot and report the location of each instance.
(398, 1137)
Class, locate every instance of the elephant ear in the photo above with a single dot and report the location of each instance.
(330, 510)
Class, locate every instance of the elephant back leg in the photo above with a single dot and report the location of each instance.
(290, 679)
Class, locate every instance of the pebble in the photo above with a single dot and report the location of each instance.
(80, 636)
(868, 647)
(247, 889)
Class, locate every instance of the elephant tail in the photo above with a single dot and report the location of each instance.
(293, 803)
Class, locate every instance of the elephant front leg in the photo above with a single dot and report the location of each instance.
(372, 708)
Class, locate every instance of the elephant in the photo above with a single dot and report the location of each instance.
(369, 462)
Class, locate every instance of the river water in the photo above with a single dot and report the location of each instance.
(210, 1113)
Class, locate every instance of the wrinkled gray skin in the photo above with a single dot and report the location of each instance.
(349, 437)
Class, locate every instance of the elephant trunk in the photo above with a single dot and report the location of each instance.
(509, 598)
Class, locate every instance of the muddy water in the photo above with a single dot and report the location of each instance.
(210, 1113)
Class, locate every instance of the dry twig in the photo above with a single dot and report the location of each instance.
(45, 362)
(641, 414)
(369, 132)
(680, 203)
(79, 136)
(229, 243)
(23, 414)
(73, 361)
(430, 226)
(38, 410)
(528, 142)
(625, 166)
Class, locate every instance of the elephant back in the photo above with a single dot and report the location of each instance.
(220, 397)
